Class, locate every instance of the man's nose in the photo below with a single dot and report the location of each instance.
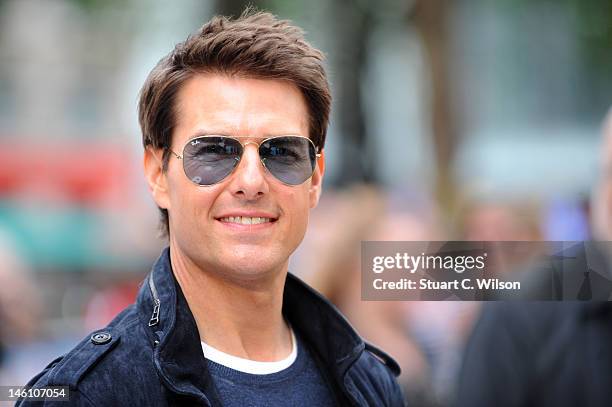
(249, 179)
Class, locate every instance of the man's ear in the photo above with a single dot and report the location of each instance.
(316, 182)
(156, 177)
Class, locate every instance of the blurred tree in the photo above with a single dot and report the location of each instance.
(353, 21)
(92, 5)
(430, 18)
(592, 28)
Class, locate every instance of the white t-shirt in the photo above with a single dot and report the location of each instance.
(247, 365)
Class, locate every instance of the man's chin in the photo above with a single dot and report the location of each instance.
(252, 267)
(253, 275)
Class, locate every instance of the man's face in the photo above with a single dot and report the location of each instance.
(252, 109)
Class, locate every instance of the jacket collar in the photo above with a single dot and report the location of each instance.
(178, 355)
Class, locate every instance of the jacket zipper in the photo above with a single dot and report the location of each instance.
(155, 316)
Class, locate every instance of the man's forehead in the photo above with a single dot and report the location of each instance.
(218, 104)
(222, 90)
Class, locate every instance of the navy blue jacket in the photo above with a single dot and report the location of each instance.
(151, 355)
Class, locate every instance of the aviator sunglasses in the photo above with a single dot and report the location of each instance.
(208, 160)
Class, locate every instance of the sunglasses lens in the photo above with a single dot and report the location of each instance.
(208, 160)
(290, 159)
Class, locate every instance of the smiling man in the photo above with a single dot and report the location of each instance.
(234, 122)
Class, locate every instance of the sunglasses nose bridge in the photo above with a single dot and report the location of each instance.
(257, 149)
(244, 153)
(249, 178)
(250, 142)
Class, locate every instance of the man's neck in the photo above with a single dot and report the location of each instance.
(238, 318)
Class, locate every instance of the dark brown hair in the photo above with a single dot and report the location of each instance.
(255, 45)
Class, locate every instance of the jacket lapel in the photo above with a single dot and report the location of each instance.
(178, 356)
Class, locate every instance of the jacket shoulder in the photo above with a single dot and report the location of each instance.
(372, 379)
(384, 357)
(98, 361)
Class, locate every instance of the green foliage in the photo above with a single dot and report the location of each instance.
(93, 5)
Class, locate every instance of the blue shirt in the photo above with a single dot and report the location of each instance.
(301, 384)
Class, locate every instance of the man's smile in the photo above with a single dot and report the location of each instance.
(247, 221)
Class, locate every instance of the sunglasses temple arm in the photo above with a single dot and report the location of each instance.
(180, 157)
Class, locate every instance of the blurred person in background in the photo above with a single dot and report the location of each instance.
(422, 336)
(601, 203)
(501, 222)
(443, 327)
(234, 122)
(495, 220)
(19, 313)
(546, 353)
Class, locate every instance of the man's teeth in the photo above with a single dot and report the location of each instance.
(245, 220)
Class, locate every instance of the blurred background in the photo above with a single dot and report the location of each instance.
(464, 119)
